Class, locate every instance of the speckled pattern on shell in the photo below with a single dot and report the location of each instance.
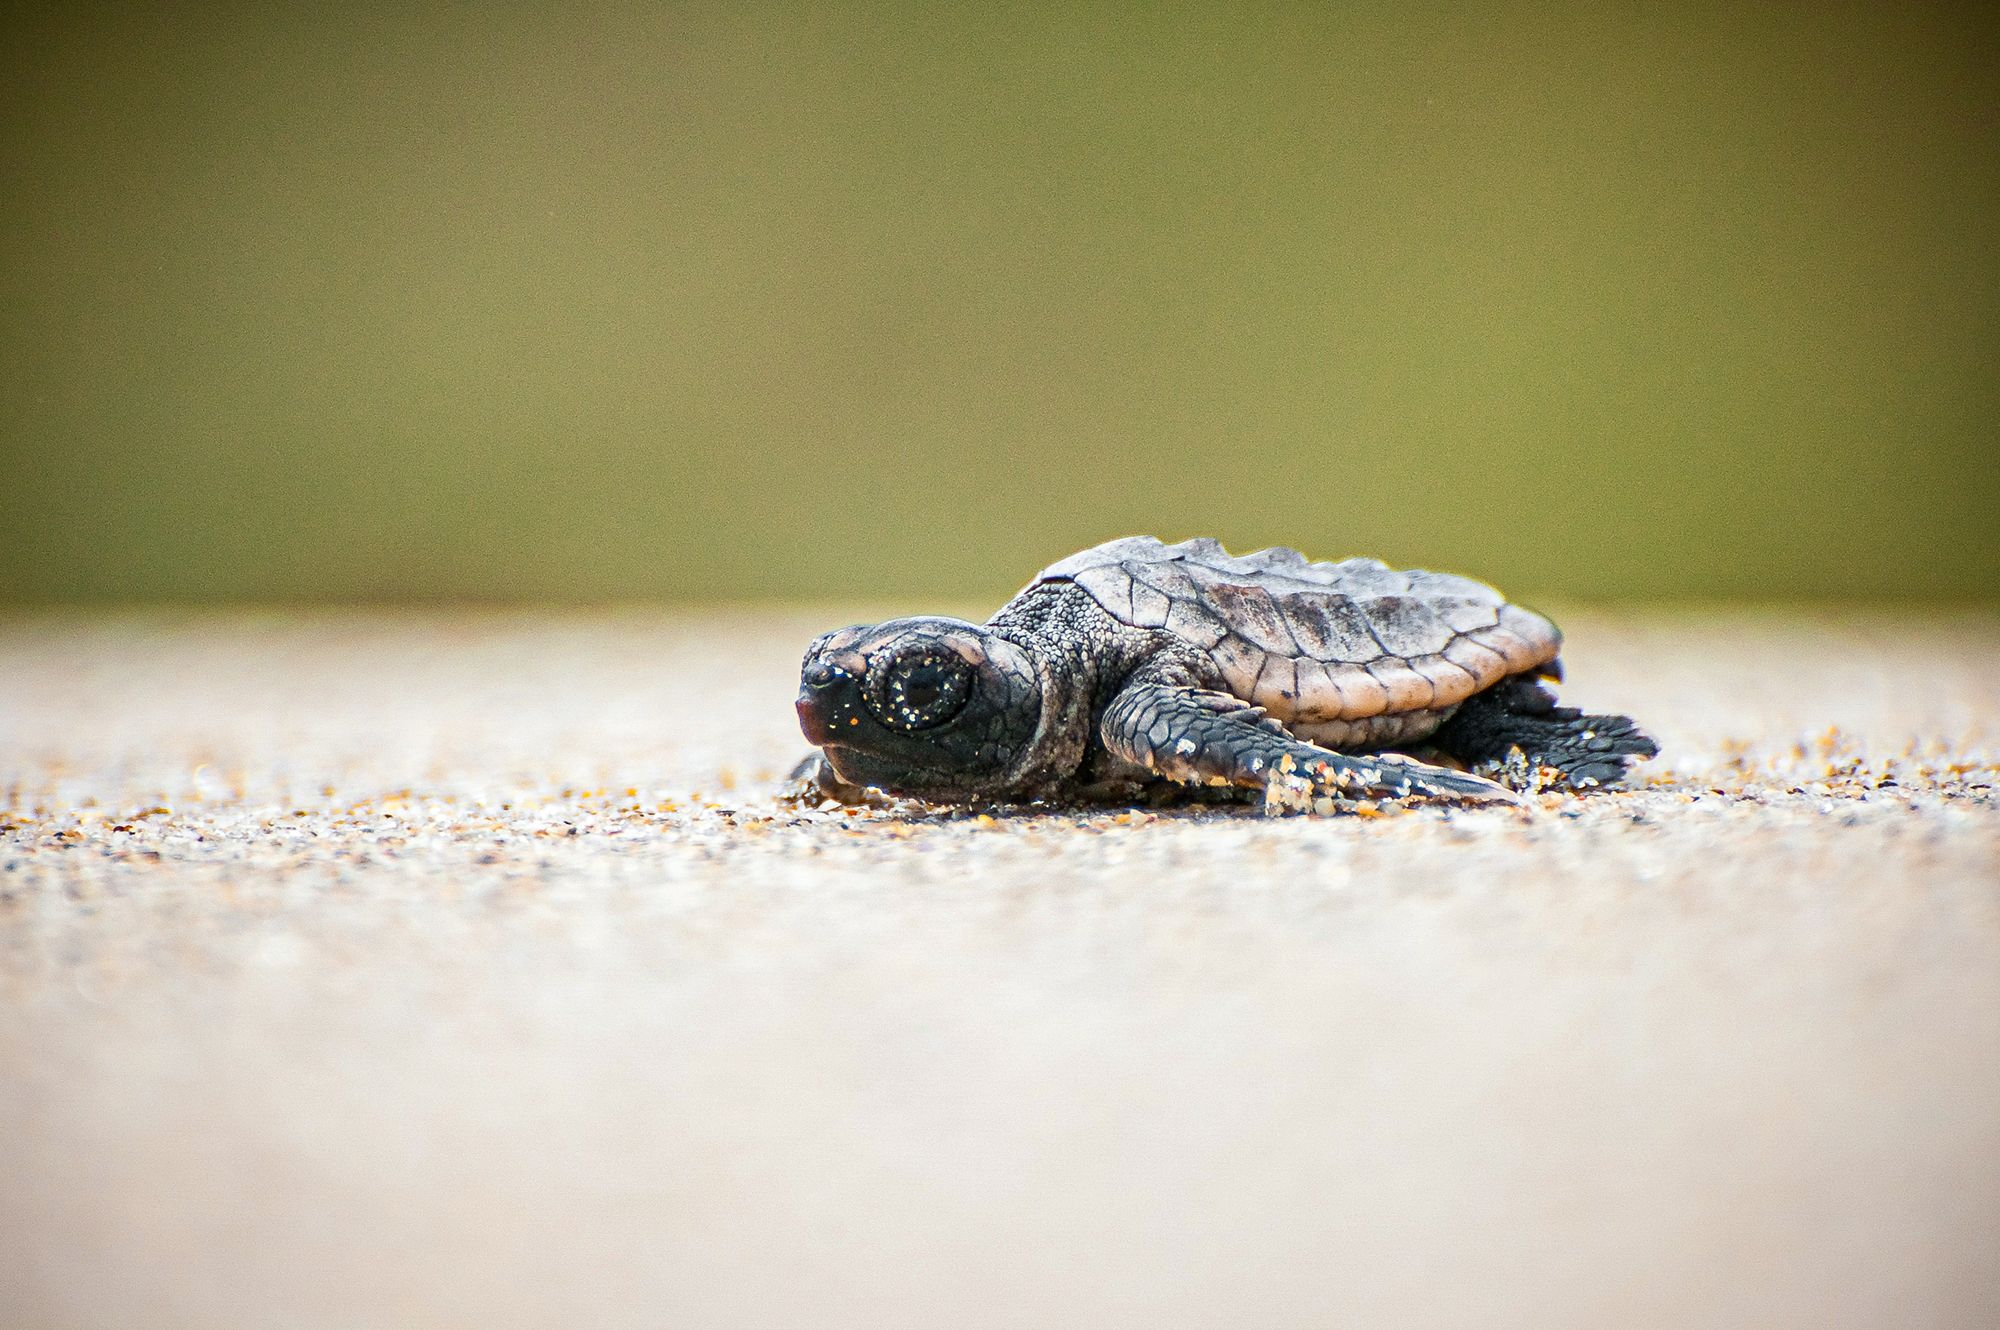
(1318, 642)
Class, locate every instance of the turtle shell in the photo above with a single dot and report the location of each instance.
(1318, 642)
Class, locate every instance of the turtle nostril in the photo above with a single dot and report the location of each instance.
(825, 676)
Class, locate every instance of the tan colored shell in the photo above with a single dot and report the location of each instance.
(1318, 642)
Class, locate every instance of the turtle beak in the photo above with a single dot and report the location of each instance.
(827, 701)
(815, 717)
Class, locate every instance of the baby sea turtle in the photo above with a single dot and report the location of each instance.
(1137, 666)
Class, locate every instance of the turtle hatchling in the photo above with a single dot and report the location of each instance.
(1136, 667)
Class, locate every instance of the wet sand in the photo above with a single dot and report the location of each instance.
(403, 970)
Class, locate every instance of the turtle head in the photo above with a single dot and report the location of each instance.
(927, 707)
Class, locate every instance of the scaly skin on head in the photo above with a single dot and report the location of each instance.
(1037, 679)
(933, 707)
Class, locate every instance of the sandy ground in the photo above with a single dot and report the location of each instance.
(463, 971)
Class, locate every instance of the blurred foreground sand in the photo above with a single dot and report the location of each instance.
(462, 971)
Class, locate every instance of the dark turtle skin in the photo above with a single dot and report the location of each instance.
(1138, 668)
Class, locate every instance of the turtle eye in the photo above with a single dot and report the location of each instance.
(919, 689)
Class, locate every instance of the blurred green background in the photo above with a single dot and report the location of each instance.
(639, 300)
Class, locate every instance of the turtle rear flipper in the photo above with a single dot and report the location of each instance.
(1520, 713)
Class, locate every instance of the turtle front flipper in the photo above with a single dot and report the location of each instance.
(1197, 736)
(813, 780)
